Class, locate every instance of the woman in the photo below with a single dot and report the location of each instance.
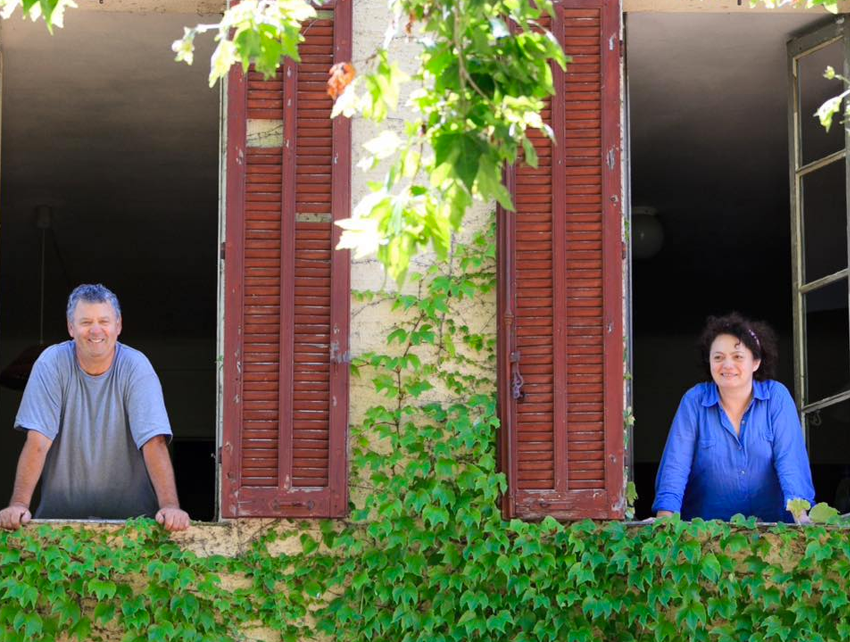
(735, 445)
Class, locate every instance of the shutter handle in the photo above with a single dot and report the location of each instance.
(338, 357)
(516, 378)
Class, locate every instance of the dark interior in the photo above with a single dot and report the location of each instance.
(118, 144)
(709, 152)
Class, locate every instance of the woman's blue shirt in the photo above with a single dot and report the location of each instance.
(710, 472)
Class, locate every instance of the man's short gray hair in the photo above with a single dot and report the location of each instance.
(92, 293)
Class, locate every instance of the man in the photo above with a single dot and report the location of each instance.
(96, 426)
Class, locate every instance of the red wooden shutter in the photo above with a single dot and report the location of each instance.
(560, 295)
(287, 289)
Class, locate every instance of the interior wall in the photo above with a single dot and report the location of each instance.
(708, 111)
(100, 124)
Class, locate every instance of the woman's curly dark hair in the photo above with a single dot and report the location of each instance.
(756, 335)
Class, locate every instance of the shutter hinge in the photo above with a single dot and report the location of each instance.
(221, 251)
(612, 157)
(217, 457)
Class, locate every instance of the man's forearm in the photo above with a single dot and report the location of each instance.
(161, 472)
(30, 466)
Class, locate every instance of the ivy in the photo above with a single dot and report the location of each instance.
(426, 554)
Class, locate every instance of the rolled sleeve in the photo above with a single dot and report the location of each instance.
(675, 467)
(790, 459)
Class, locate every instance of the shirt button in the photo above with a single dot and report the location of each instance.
(740, 448)
(742, 472)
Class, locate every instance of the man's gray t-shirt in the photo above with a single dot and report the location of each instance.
(98, 424)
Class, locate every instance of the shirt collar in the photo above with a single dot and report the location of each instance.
(711, 396)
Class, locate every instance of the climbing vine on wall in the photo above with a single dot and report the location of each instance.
(425, 554)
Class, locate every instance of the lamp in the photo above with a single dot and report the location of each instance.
(647, 232)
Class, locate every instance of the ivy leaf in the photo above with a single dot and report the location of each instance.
(361, 579)
(313, 588)
(186, 577)
(161, 632)
(102, 589)
(82, 629)
(308, 544)
(25, 594)
(68, 611)
(445, 467)
(30, 623)
(435, 515)
(104, 612)
(499, 621)
(692, 615)
(822, 513)
(711, 568)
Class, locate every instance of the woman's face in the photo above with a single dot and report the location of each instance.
(732, 363)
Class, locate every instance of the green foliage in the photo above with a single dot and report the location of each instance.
(53, 11)
(829, 5)
(426, 554)
(478, 87)
(258, 32)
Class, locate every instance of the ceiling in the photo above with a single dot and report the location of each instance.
(708, 121)
(101, 124)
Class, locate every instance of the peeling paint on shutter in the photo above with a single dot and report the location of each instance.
(560, 262)
(287, 289)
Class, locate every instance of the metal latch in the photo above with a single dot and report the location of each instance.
(516, 378)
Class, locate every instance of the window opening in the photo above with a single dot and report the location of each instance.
(709, 139)
(121, 144)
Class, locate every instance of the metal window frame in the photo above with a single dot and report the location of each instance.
(798, 48)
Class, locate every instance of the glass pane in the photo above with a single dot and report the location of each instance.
(824, 221)
(829, 454)
(814, 91)
(827, 341)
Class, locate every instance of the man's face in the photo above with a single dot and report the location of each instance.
(95, 328)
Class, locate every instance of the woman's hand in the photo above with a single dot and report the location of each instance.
(803, 518)
(663, 513)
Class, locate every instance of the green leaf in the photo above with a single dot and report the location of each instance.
(82, 629)
(822, 513)
(104, 612)
(710, 567)
(102, 589)
(308, 544)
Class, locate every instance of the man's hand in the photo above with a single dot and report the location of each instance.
(155, 452)
(14, 516)
(173, 518)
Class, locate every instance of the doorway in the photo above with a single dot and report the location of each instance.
(110, 174)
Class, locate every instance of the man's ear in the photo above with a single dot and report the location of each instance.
(756, 364)
(118, 327)
(70, 329)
